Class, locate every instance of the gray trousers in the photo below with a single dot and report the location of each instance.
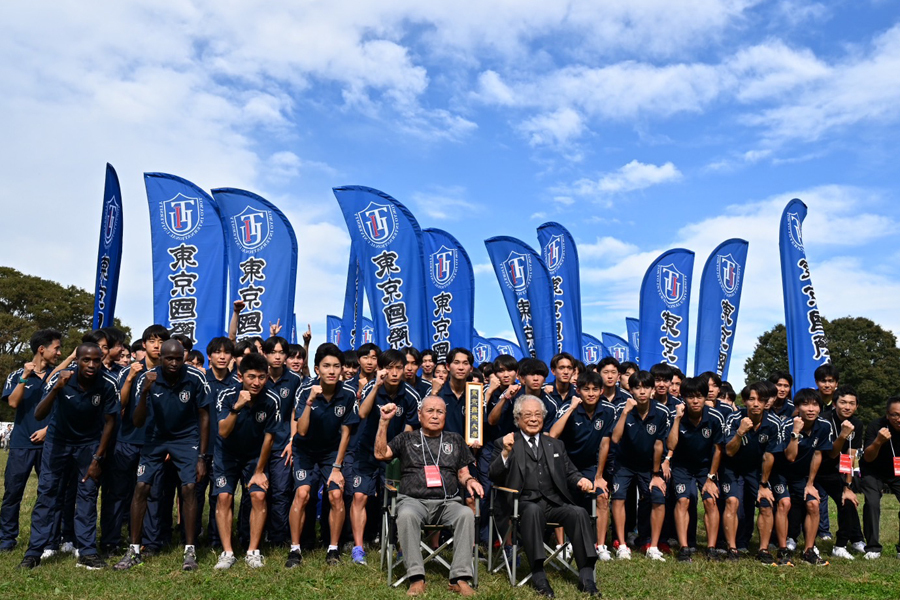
(412, 513)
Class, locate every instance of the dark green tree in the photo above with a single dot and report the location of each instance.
(865, 354)
(29, 303)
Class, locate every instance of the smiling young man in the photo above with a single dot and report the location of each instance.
(83, 403)
(325, 417)
(174, 403)
(563, 368)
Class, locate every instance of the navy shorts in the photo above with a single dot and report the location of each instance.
(313, 471)
(623, 480)
(229, 471)
(183, 454)
(733, 485)
(364, 477)
(685, 484)
(796, 488)
(779, 487)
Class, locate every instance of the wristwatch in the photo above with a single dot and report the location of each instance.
(97, 457)
(658, 474)
(795, 435)
(764, 484)
(712, 477)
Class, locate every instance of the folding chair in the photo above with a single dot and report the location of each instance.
(390, 559)
(509, 561)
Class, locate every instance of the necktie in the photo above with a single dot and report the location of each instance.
(532, 443)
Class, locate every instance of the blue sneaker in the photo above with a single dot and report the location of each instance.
(358, 555)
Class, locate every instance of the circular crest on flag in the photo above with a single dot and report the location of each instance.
(181, 217)
(184, 396)
(729, 273)
(671, 285)
(339, 410)
(221, 481)
(636, 339)
(95, 400)
(260, 416)
(442, 266)
(378, 224)
(517, 271)
(252, 229)
(651, 428)
(619, 352)
(795, 230)
(554, 253)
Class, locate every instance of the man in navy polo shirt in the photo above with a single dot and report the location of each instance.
(585, 427)
(82, 404)
(796, 467)
(609, 370)
(532, 375)
(411, 372)
(325, 417)
(696, 438)
(248, 422)
(563, 389)
(366, 474)
(23, 391)
(641, 427)
(453, 391)
(502, 388)
(782, 405)
(174, 404)
(752, 435)
(285, 383)
(662, 384)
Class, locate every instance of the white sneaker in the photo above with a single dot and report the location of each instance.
(791, 544)
(623, 553)
(872, 555)
(48, 553)
(858, 547)
(566, 553)
(653, 553)
(255, 561)
(68, 548)
(841, 552)
(603, 553)
(225, 561)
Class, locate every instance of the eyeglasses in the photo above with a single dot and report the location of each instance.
(531, 415)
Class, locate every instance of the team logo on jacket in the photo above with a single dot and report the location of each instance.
(339, 410)
(555, 253)
(181, 216)
(221, 481)
(95, 400)
(706, 432)
(252, 229)
(284, 392)
(763, 438)
(815, 442)
(729, 273)
(671, 284)
(447, 447)
(378, 223)
(184, 396)
(443, 266)
(260, 416)
(651, 428)
(598, 424)
(141, 470)
(517, 271)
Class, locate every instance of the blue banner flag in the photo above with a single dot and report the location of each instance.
(368, 332)
(720, 299)
(333, 331)
(561, 257)
(393, 270)
(293, 338)
(506, 347)
(449, 292)
(616, 346)
(592, 350)
(807, 345)
(482, 349)
(633, 333)
(190, 263)
(528, 293)
(109, 256)
(262, 257)
(665, 299)
(351, 318)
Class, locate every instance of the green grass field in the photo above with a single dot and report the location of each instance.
(161, 577)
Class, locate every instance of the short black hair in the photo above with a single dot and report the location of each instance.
(254, 362)
(590, 378)
(43, 337)
(662, 371)
(220, 344)
(351, 359)
(776, 375)
(86, 346)
(726, 390)
(562, 355)
(628, 365)
(826, 370)
(137, 346)
(241, 347)
(155, 331)
(641, 379)
(366, 348)
(95, 336)
(763, 393)
(891, 400)
(676, 372)
(846, 390)
(505, 362)
(114, 336)
(186, 342)
(610, 360)
(532, 366)
(693, 387)
(707, 375)
(328, 349)
(296, 350)
(268, 346)
(410, 351)
(808, 396)
(195, 355)
(579, 366)
(452, 354)
(428, 352)
(388, 358)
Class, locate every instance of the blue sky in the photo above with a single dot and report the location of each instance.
(639, 125)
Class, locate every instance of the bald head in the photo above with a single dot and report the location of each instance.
(171, 356)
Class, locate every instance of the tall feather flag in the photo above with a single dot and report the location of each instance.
(633, 334)
(561, 257)
(449, 292)
(109, 255)
(665, 299)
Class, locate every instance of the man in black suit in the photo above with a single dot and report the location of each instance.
(538, 466)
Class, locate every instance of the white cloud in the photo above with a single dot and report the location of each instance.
(628, 178)
(444, 203)
(554, 130)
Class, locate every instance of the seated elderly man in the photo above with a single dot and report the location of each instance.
(433, 464)
(538, 467)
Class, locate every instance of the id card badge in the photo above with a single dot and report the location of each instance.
(432, 476)
(897, 466)
(846, 465)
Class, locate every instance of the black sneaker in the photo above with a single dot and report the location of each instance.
(294, 559)
(130, 560)
(91, 562)
(812, 558)
(732, 555)
(784, 558)
(684, 555)
(765, 557)
(333, 558)
(713, 555)
(29, 562)
(190, 561)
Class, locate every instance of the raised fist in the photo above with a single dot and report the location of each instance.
(847, 427)
(679, 411)
(239, 305)
(745, 426)
(508, 441)
(150, 377)
(65, 376)
(379, 376)
(28, 369)
(630, 404)
(313, 392)
(243, 399)
(798, 424)
(388, 411)
(884, 434)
